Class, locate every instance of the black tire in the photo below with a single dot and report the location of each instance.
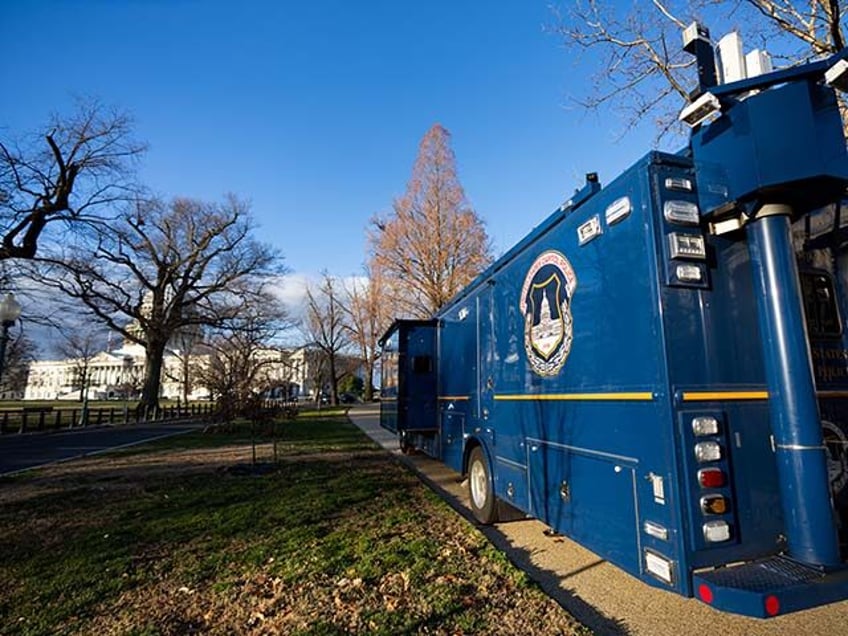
(405, 446)
(481, 489)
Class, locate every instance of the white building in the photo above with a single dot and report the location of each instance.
(119, 373)
(111, 374)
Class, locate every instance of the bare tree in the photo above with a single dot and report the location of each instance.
(80, 346)
(327, 328)
(433, 243)
(319, 374)
(641, 70)
(161, 268)
(243, 363)
(76, 167)
(814, 26)
(369, 317)
(131, 379)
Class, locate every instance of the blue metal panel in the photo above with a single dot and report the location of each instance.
(754, 514)
(750, 149)
(458, 374)
(408, 392)
(418, 382)
(389, 379)
(452, 439)
(587, 495)
(608, 401)
(716, 368)
(513, 483)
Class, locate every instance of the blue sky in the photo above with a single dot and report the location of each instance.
(314, 110)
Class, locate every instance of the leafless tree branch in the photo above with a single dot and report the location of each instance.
(79, 166)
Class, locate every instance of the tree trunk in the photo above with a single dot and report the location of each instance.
(155, 351)
(83, 384)
(369, 380)
(186, 369)
(334, 382)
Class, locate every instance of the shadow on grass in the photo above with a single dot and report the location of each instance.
(522, 558)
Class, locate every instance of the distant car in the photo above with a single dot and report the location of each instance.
(348, 398)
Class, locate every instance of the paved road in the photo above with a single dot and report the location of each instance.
(601, 596)
(22, 452)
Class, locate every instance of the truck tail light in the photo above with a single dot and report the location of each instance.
(716, 531)
(704, 425)
(711, 478)
(714, 505)
(707, 452)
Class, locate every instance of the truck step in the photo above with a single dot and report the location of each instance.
(768, 587)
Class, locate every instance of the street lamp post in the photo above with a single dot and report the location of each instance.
(10, 311)
(126, 376)
(86, 382)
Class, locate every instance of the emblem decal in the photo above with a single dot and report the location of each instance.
(545, 305)
(837, 456)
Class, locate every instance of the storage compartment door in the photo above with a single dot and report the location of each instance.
(586, 496)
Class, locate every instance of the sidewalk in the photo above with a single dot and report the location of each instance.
(601, 596)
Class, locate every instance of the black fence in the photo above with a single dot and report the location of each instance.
(23, 420)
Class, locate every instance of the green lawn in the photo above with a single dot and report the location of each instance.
(182, 537)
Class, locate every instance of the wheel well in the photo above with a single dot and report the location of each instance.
(469, 446)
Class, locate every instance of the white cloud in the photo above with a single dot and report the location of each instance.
(291, 289)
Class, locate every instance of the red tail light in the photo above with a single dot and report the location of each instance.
(711, 478)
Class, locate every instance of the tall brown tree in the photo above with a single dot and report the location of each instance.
(639, 66)
(71, 172)
(166, 267)
(433, 243)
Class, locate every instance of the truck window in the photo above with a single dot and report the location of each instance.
(422, 364)
(820, 305)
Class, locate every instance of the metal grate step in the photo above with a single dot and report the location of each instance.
(768, 575)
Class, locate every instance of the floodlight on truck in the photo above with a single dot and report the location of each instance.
(837, 76)
(702, 109)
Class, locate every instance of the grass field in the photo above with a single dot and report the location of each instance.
(184, 536)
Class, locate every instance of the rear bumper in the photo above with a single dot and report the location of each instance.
(770, 587)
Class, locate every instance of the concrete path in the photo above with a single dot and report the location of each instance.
(598, 594)
(23, 452)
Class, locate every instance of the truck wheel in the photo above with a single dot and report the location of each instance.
(406, 447)
(480, 488)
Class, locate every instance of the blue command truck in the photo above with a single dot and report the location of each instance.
(659, 370)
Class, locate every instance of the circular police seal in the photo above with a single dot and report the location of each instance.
(837, 456)
(545, 305)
